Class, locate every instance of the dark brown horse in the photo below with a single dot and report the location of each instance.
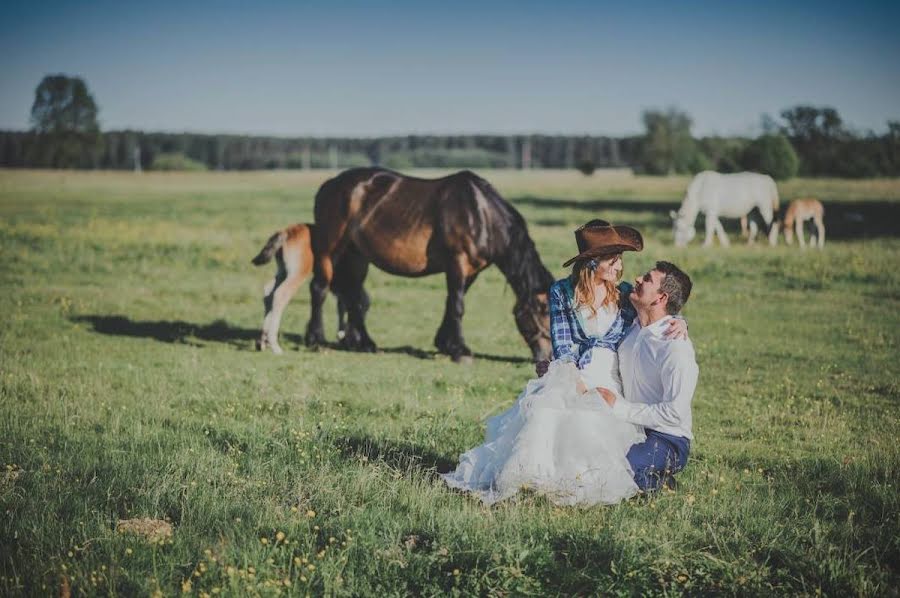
(458, 225)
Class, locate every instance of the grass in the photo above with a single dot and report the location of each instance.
(129, 388)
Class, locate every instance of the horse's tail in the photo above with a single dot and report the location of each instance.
(268, 251)
(775, 201)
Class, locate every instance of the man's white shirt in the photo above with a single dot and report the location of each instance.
(659, 377)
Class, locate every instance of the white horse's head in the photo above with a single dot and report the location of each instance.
(682, 229)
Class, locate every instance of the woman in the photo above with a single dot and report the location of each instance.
(560, 438)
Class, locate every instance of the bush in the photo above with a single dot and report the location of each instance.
(699, 162)
(175, 161)
(725, 153)
(772, 155)
(586, 167)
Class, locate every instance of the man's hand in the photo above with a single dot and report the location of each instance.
(677, 330)
(541, 367)
(607, 395)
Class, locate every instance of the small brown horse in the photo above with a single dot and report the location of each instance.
(458, 225)
(292, 249)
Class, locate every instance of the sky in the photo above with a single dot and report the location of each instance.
(365, 69)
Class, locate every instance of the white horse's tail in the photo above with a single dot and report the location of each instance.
(775, 202)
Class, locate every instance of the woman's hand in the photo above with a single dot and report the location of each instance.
(581, 387)
(607, 395)
(677, 330)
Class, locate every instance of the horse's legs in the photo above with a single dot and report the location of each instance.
(744, 231)
(773, 233)
(768, 215)
(280, 298)
(798, 229)
(720, 231)
(323, 271)
(268, 293)
(751, 235)
(342, 318)
(349, 276)
(449, 338)
(711, 221)
(820, 230)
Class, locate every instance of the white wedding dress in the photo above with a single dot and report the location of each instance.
(555, 441)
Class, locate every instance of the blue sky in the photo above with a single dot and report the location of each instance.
(368, 68)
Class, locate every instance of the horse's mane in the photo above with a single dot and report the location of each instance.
(511, 247)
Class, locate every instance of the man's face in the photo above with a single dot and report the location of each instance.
(646, 290)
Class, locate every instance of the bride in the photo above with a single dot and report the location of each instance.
(560, 438)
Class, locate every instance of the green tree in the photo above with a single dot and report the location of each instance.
(818, 134)
(64, 117)
(772, 155)
(667, 145)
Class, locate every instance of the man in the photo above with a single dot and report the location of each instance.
(659, 378)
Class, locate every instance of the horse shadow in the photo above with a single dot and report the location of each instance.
(220, 331)
(843, 219)
(176, 331)
(432, 354)
(398, 454)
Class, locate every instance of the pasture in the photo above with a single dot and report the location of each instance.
(129, 387)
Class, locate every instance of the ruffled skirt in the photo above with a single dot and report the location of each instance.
(556, 442)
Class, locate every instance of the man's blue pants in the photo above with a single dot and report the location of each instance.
(657, 458)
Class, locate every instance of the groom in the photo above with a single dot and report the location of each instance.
(659, 377)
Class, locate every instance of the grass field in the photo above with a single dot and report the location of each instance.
(129, 388)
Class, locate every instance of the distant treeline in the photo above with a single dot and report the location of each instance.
(813, 150)
(810, 140)
(122, 150)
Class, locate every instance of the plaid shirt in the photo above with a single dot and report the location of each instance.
(570, 342)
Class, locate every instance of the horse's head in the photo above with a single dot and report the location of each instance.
(682, 228)
(533, 320)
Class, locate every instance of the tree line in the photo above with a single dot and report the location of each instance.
(808, 140)
(130, 149)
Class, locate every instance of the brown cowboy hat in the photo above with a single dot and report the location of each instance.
(599, 237)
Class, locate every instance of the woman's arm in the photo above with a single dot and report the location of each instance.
(560, 328)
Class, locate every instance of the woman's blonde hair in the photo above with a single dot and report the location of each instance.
(583, 281)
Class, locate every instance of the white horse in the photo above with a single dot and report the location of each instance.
(725, 195)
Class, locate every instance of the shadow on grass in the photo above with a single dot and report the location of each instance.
(177, 331)
(849, 484)
(843, 219)
(396, 453)
(181, 332)
(432, 354)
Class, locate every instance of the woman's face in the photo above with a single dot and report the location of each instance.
(609, 268)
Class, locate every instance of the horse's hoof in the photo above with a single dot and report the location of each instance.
(277, 350)
(314, 339)
(463, 359)
(259, 345)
